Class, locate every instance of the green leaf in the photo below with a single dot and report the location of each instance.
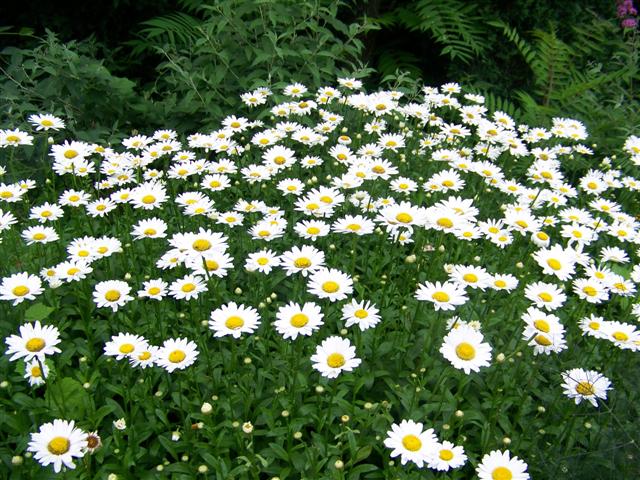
(38, 311)
(67, 398)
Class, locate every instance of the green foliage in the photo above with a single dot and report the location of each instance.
(455, 26)
(68, 80)
(590, 78)
(226, 48)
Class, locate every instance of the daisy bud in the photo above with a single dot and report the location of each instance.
(459, 413)
(247, 360)
(285, 413)
(344, 331)
(541, 409)
(120, 424)
(519, 265)
(441, 248)
(269, 300)
(184, 458)
(410, 259)
(506, 441)
(297, 435)
(203, 469)
(238, 291)
(339, 464)
(82, 359)
(262, 305)
(446, 426)
(86, 385)
(214, 397)
(344, 418)
(17, 460)
(204, 323)
(368, 406)
(50, 140)
(4, 384)
(319, 389)
(587, 425)
(235, 424)
(112, 476)
(477, 258)
(160, 468)
(181, 315)
(273, 296)
(127, 276)
(175, 436)
(206, 408)
(247, 427)
(159, 393)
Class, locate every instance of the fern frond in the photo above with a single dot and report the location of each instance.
(174, 28)
(451, 23)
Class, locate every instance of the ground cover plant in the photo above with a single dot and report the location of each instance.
(332, 283)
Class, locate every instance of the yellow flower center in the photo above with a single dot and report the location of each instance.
(148, 199)
(302, 262)
(404, 218)
(101, 208)
(440, 297)
(465, 351)
(13, 138)
(360, 313)
(264, 233)
(212, 265)
(585, 388)
(70, 154)
(188, 287)
(542, 236)
(312, 206)
(144, 356)
(201, 245)
(447, 183)
(330, 287)
(445, 222)
(620, 336)
(177, 356)
(594, 325)
(126, 348)
(543, 340)
(299, 320)
(234, 322)
(39, 236)
(411, 443)
(262, 261)
(445, 455)
(522, 224)
(73, 271)
(214, 184)
(313, 230)
(102, 250)
(381, 106)
(235, 124)
(36, 372)
(554, 264)
(35, 344)
(354, 227)
(501, 473)
(20, 290)
(545, 297)
(592, 185)
(590, 291)
(154, 291)
(150, 231)
(379, 169)
(542, 325)
(470, 277)
(336, 360)
(500, 283)
(112, 296)
(59, 445)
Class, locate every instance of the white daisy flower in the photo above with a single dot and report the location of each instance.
(409, 441)
(57, 443)
(293, 320)
(234, 320)
(333, 356)
(465, 349)
(34, 342)
(587, 385)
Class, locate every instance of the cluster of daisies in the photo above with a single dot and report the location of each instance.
(416, 175)
(412, 443)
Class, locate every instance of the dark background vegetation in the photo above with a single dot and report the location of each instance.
(109, 65)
